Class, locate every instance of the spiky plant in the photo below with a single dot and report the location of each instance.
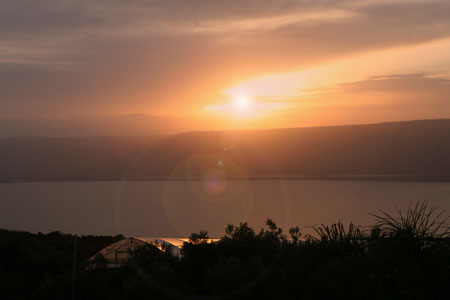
(338, 233)
(419, 221)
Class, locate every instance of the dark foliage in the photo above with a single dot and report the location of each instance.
(39, 266)
(400, 257)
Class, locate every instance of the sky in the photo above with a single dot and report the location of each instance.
(138, 67)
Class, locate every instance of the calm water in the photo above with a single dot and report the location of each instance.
(178, 208)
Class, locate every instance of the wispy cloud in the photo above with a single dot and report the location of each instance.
(125, 56)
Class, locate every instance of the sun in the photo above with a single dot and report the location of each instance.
(242, 104)
(239, 106)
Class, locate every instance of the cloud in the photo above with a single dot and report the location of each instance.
(124, 56)
(430, 85)
(381, 98)
(384, 97)
(32, 30)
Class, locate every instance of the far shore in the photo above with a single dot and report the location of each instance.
(389, 178)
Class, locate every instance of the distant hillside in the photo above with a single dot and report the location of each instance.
(82, 158)
(415, 150)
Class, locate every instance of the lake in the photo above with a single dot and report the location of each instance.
(180, 207)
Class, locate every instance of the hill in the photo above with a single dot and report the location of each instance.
(414, 150)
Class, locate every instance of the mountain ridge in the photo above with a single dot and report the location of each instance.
(407, 150)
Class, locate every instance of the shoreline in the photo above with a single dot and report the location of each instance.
(384, 178)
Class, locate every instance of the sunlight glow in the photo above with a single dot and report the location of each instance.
(242, 104)
(323, 78)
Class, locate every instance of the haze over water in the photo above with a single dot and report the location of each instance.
(178, 208)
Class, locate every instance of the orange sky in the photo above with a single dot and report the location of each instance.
(139, 67)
